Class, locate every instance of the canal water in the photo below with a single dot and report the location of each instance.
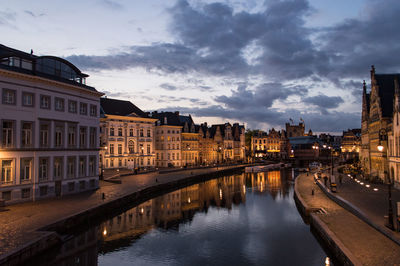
(243, 219)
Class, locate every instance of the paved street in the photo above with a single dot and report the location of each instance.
(20, 222)
(372, 203)
(369, 246)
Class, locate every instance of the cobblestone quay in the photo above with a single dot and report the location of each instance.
(352, 240)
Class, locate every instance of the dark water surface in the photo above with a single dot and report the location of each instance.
(244, 219)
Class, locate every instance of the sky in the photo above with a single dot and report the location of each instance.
(259, 63)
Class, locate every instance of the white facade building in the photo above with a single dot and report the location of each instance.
(127, 136)
(49, 123)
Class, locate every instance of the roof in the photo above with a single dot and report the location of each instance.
(167, 118)
(120, 107)
(303, 140)
(386, 92)
(50, 67)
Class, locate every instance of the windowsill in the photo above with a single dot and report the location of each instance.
(10, 183)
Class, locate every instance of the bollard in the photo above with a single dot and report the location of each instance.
(312, 192)
(103, 196)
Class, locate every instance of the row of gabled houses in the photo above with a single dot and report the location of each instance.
(131, 138)
(58, 134)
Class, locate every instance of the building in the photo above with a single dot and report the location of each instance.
(168, 139)
(394, 139)
(351, 144)
(127, 136)
(49, 127)
(376, 124)
(221, 143)
(190, 141)
(272, 144)
(293, 130)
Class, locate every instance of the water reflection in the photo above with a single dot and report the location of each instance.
(207, 223)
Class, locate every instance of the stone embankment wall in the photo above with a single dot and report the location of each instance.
(341, 254)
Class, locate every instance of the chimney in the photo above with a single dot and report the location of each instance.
(165, 120)
(177, 112)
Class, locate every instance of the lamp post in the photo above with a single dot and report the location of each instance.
(102, 164)
(388, 179)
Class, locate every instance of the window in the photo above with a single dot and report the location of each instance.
(148, 149)
(131, 147)
(9, 96)
(45, 102)
(59, 104)
(120, 132)
(92, 165)
(58, 138)
(26, 167)
(131, 132)
(148, 133)
(27, 99)
(141, 148)
(82, 166)
(148, 161)
(119, 148)
(141, 132)
(25, 193)
(71, 186)
(8, 134)
(83, 108)
(71, 167)
(177, 146)
(82, 137)
(6, 171)
(92, 137)
(26, 134)
(58, 167)
(71, 135)
(112, 162)
(43, 169)
(6, 195)
(93, 110)
(112, 131)
(177, 156)
(43, 190)
(119, 162)
(82, 185)
(72, 106)
(111, 148)
(44, 135)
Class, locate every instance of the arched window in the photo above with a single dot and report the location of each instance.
(131, 146)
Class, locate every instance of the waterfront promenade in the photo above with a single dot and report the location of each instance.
(361, 243)
(20, 222)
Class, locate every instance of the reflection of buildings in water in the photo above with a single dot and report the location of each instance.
(190, 201)
(272, 182)
(128, 225)
(79, 250)
(167, 210)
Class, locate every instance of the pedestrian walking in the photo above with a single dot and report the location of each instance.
(325, 179)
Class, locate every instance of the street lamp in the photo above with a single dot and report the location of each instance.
(388, 179)
(102, 164)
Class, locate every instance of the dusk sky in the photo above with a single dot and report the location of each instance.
(254, 62)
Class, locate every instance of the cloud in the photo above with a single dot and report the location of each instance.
(168, 87)
(214, 40)
(263, 95)
(33, 14)
(323, 101)
(7, 18)
(111, 4)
